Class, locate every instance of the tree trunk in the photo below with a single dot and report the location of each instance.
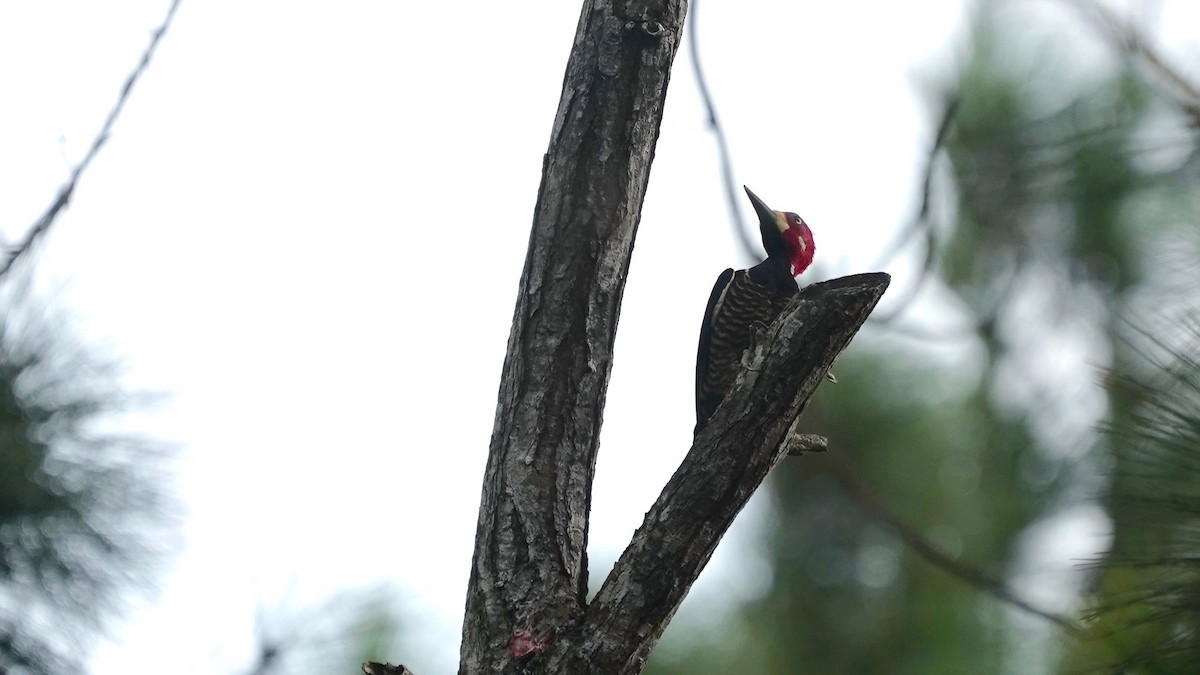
(527, 609)
(529, 575)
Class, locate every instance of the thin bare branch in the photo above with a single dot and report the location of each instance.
(921, 222)
(750, 248)
(1132, 42)
(64, 194)
(920, 225)
(874, 507)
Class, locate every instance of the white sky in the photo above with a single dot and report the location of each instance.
(309, 226)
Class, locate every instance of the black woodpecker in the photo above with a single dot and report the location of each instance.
(743, 301)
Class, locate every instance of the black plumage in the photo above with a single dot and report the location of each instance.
(743, 302)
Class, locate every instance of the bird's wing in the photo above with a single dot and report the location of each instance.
(702, 351)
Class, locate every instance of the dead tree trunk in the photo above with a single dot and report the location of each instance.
(529, 576)
(752, 430)
(527, 609)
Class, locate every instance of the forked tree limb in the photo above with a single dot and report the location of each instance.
(748, 435)
(527, 608)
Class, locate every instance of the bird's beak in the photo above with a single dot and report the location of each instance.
(765, 214)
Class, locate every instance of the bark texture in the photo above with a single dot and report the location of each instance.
(526, 609)
(750, 432)
(529, 573)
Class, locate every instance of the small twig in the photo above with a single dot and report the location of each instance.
(987, 316)
(749, 246)
(874, 508)
(1131, 40)
(910, 293)
(373, 668)
(919, 224)
(921, 221)
(799, 444)
(64, 194)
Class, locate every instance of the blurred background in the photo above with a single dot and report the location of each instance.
(249, 375)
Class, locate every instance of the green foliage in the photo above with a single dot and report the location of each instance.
(82, 513)
(1147, 611)
(1056, 211)
(847, 597)
(1042, 190)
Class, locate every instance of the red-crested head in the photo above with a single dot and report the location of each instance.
(784, 234)
(799, 240)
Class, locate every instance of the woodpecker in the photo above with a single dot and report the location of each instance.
(744, 300)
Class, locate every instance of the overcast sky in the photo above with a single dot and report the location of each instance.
(309, 225)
